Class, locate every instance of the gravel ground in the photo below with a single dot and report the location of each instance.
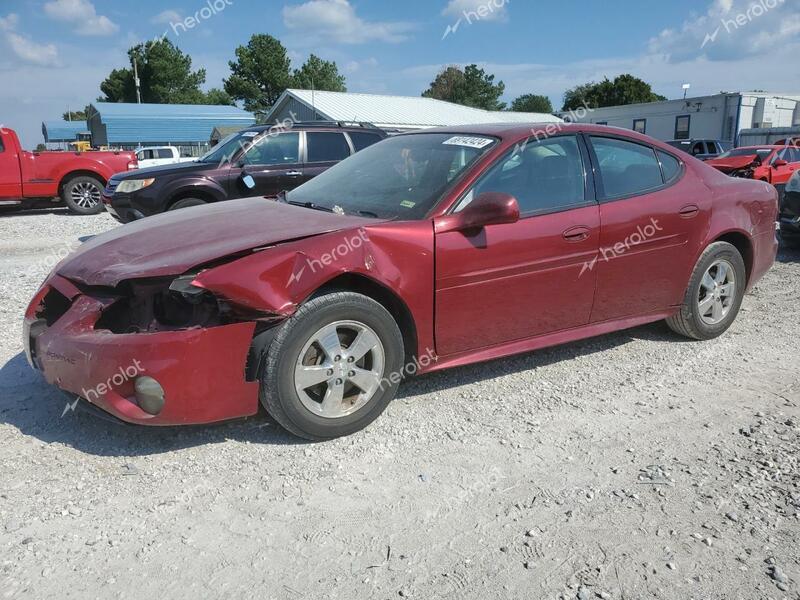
(629, 466)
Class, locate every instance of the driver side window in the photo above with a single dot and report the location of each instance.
(273, 149)
(543, 175)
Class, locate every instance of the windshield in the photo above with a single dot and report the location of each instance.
(762, 152)
(228, 147)
(401, 177)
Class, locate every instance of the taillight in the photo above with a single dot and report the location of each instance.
(133, 165)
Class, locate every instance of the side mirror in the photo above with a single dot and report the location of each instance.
(489, 208)
(779, 163)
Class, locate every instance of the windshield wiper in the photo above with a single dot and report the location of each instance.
(368, 213)
(310, 205)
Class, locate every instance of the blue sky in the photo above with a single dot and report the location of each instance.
(54, 53)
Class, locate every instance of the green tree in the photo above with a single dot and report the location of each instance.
(218, 96)
(470, 87)
(625, 89)
(532, 103)
(260, 73)
(74, 115)
(318, 74)
(165, 75)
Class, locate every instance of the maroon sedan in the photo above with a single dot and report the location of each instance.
(425, 251)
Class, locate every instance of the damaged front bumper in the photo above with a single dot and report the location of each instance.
(197, 372)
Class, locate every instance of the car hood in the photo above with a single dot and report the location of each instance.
(731, 163)
(174, 242)
(161, 170)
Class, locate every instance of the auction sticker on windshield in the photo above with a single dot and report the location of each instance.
(469, 142)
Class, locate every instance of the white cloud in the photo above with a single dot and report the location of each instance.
(356, 65)
(337, 21)
(166, 17)
(82, 15)
(731, 29)
(25, 49)
(484, 10)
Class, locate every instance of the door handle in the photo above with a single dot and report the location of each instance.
(687, 212)
(293, 173)
(576, 234)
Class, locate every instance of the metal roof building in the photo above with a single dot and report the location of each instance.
(389, 112)
(187, 126)
(62, 131)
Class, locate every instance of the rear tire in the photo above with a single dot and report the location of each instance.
(83, 195)
(320, 378)
(714, 295)
(187, 203)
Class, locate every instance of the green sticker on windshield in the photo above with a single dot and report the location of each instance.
(408, 204)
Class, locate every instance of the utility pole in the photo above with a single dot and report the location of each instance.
(136, 81)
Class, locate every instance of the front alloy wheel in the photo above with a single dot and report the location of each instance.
(333, 367)
(339, 369)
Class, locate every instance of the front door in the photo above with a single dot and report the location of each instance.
(653, 221)
(273, 161)
(781, 174)
(515, 281)
(10, 176)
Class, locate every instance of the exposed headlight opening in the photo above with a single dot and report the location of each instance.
(793, 185)
(134, 185)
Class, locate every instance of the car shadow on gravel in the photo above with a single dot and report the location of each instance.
(10, 212)
(38, 410)
(501, 367)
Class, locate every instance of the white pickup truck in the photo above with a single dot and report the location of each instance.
(155, 156)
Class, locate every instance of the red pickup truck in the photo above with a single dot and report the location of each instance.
(78, 178)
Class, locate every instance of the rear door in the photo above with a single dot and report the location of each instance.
(10, 176)
(323, 149)
(654, 214)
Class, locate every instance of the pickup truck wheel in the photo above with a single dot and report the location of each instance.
(83, 195)
(186, 203)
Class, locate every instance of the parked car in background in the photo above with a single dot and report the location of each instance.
(790, 211)
(428, 250)
(773, 164)
(701, 149)
(77, 178)
(156, 156)
(259, 161)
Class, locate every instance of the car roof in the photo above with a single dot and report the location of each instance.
(315, 126)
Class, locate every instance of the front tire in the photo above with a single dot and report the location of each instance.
(187, 203)
(714, 295)
(83, 195)
(333, 367)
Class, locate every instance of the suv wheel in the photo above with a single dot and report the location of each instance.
(187, 203)
(327, 372)
(714, 296)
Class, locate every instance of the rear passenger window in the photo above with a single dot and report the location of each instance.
(670, 166)
(362, 139)
(626, 168)
(326, 146)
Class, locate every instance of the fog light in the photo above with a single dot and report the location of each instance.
(149, 394)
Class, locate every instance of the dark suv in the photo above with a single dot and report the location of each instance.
(258, 161)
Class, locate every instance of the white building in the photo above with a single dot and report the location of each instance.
(719, 117)
(389, 112)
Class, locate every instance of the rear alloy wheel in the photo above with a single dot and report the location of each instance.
(328, 372)
(714, 295)
(83, 195)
